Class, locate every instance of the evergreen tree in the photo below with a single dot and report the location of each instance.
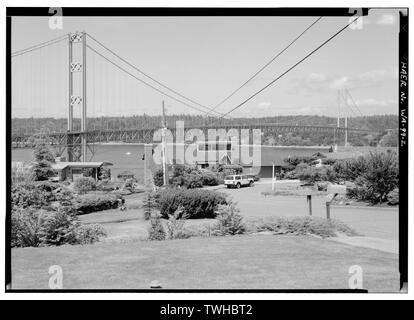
(43, 157)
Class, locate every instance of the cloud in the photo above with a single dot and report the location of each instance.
(264, 105)
(317, 82)
(387, 19)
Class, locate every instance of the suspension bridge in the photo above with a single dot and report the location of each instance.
(76, 76)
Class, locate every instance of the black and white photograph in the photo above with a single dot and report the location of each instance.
(172, 149)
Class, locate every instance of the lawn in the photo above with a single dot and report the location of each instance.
(239, 262)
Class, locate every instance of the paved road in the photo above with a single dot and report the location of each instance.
(380, 223)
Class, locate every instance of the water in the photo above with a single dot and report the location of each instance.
(128, 157)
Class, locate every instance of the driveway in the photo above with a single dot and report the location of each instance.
(371, 222)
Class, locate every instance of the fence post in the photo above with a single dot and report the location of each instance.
(328, 210)
(309, 200)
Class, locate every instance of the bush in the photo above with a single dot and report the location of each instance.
(310, 174)
(158, 177)
(230, 222)
(187, 176)
(229, 169)
(42, 169)
(374, 175)
(36, 194)
(394, 197)
(149, 205)
(51, 228)
(304, 226)
(328, 161)
(156, 230)
(96, 202)
(24, 228)
(381, 176)
(84, 184)
(175, 225)
(209, 178)
(195, 203)
(350, 169)
(193, 180)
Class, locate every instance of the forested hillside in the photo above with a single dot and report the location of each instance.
(380, 123)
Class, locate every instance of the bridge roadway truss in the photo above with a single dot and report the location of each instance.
(73, 140)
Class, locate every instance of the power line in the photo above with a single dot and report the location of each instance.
(267, 64)
(142, 81)
(156, 81)
(39, 46)
(292, 67)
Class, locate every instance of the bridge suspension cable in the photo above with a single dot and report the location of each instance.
(39, 46)
(155, 80)
(142, 81)
(266, 65)
(292, 67)
(348, 94)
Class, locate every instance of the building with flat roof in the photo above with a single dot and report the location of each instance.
(73, 170)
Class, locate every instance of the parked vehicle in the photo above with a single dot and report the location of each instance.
(237, 181)
(255, 177)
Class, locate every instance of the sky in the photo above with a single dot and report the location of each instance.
(205, 59)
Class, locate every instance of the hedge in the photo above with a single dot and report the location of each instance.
(196, 204)
(96, 202)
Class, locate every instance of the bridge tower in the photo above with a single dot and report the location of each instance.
(77, 141)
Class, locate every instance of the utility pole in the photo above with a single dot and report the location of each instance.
(164, 155)
(346, 130)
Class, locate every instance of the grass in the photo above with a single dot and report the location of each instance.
(242, 262)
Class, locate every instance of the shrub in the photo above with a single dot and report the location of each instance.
(196, 203)
(230, 222)
(193, 180)
(88, 234)
(175, 225)
(304, 226)
(380, 176)
(96, 202)
(292, 162)
(394, 197)
(149, 205)
(42, 169)
(328, 161)
(51, 228)
(209, 178)
(350, 169)
(24, 228)
(229, 169)
(187, 176)
(36, 194)
(374, 175)
(156, 230)
(310, 174)
(158, 177)
(57, 228)
(84, 184)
